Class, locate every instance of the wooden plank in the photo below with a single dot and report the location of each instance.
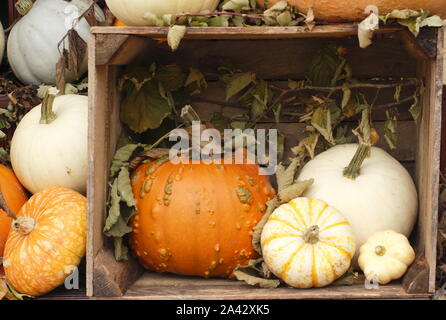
(162, 286)
(428, 163)
(285, 58)
(107, 46)
(324, 31)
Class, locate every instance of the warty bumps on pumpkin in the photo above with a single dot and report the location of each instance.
(197, 219)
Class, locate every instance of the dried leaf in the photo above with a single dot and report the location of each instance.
(257, 230)
(3, 288)
(175, 35)
(366, 29)
(321, 120)
(125, 187)
(255, 276)
(294, 191)
(60, 74)
(309, 19)
(348, 279)
(415, 109)
(122, 156)
(77, 51)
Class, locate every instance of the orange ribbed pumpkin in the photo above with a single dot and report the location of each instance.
(197, 219)
(47, 241)
(15, 197)
(353, 10)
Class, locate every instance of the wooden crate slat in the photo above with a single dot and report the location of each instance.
(112, 48)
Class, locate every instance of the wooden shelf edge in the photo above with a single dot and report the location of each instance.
(265, 32)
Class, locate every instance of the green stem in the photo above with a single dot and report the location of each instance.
(353, 169)
(47, 115)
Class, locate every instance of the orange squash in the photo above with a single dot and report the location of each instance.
(47, 241)
(15, 197)
(197, 219)
(353, 10)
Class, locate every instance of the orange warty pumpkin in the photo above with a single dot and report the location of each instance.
(47, 241)
(197, 219)
(15, 197)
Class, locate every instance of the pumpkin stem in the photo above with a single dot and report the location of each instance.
(23, 6)
(5, 206)
(353, 169)
(47, 115)
(312, 235)
(23, 225)
(380, 250)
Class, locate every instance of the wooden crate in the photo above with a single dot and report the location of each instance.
(278, 54)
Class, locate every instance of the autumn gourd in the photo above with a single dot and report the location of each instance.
(49, 146)
(373, 191)
(134, 15)
(2, 42)
(353, 10)
(307, 243)
(386, 256)
(15, 197)
(33, 41)
(47, 241)
(197, 219)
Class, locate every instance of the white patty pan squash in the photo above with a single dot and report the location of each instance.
(133, 15)
(382, 197)
(307, 243)
(2, 42)
(32, 42)
(385, 256)
(53, 152)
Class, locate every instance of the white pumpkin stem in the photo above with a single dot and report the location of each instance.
(23, 225)
(312, 235)
(23, 6)
(47, 114)
(354, 168)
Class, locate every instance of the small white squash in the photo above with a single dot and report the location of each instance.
(382, 197)
(49, 147)
(307, 243)
(133, 15)
(2, 42)
(385, 256)
(32, 42)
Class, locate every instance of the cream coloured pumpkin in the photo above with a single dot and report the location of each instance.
(307, 243)
(2, 42)
(33, 41)
(53, 154)
(133, 15)
(382, 197)
(385, 256)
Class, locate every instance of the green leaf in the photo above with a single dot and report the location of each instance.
(220, 122)
(121, 251)
(171, 76)
(114, 211)
(122, 156)
(390, 129)
(235, 83)
(323, 66)
(236, 5)
(145, 109)
(125, 187)
(195, 76)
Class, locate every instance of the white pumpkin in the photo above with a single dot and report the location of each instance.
(2, 42)
(53, 154)
(307, 243)
(382, 197)
(32, 42)
(385, 256)
(133, 15)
